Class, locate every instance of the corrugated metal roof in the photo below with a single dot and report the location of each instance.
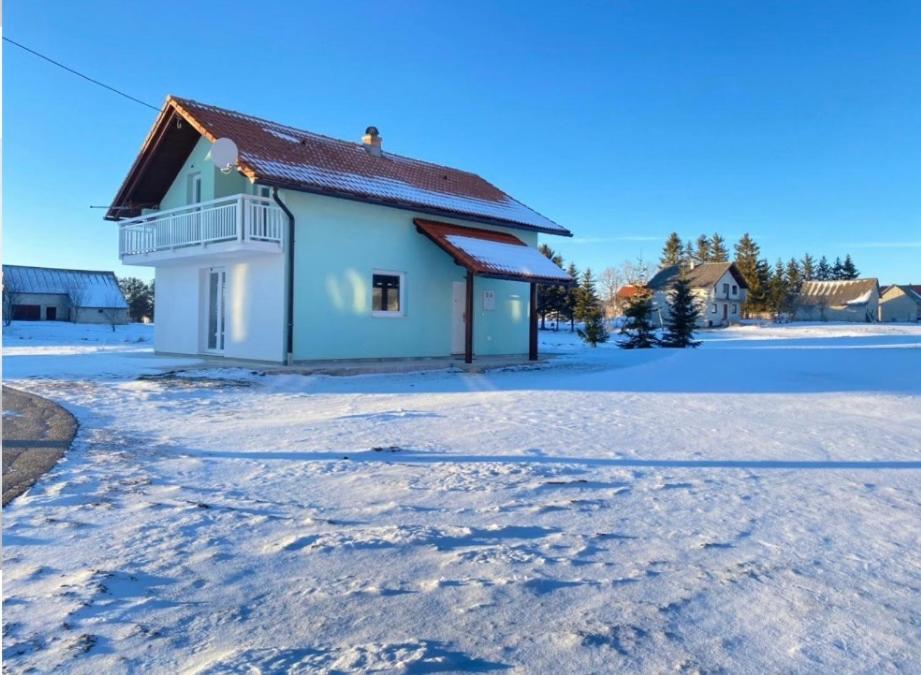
(840, 292)
(286, 157)
(495, 254)
(96, 288)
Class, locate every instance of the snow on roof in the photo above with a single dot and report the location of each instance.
(95, 288)
(509, 258)
(703, 275)
(840, 292)
(286, 157)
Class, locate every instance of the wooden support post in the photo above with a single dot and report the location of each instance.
(468, 321)
(532, 321)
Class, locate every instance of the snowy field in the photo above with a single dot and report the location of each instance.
(751, 506)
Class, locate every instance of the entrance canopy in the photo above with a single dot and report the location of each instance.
(493, 254)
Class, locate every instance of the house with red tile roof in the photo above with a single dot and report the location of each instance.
(303, 247)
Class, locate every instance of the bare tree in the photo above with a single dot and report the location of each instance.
(113, 311)
(635, 272)
(11, 297)
(77, 294)
(610, 281)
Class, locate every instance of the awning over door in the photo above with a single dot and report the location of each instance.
(493, 254)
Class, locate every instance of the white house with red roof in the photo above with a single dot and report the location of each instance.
(310, 248)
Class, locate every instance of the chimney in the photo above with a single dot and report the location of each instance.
(372, 141)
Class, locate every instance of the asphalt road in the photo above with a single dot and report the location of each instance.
(36, 434)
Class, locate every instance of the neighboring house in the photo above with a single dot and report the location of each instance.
(900, 302)
(48, 294)
(719, 288)
(624, 295)
(312, 248)
(845, 300)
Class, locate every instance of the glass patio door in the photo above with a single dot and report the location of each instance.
(217, 314)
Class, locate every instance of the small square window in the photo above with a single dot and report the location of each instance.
(386, 294)
(735, 289)
(725, 289)
(713, 309)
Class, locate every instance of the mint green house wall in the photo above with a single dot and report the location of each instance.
(338, 246)
(214, 184)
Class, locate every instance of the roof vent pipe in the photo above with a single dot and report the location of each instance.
(372, 141)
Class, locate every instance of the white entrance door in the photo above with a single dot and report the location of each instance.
(458, 327)
(217, 296)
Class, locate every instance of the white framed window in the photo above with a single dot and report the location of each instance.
(726, 290)
(735, 309)
(735, 289)
(263, 191)
(195, 188)
(713, 308)
(388, 294)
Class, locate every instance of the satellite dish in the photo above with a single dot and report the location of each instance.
(224, 154)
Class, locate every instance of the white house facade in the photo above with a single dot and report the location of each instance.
(312, 248)
(719, 288)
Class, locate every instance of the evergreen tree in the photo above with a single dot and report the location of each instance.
(549, 297)
(823, 270)
(570, 297)
(671, 252)
(778, 288)
(807, 268)
(587, 297)
(747, 252)
(794, 276)
(703, 253)
(837, 271)
(683, 315)
(638, 324)
(848, 268)
(139, 296)
(589, 312)
(689, 257)
(718, 251)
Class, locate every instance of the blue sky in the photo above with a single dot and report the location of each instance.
(795, 121)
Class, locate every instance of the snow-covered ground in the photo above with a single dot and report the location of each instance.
(753, 505)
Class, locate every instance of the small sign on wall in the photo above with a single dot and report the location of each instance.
(489, 300)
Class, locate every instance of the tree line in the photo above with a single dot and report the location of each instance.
(771, 287)
(139, 295)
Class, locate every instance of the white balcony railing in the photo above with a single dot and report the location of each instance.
(241, 218)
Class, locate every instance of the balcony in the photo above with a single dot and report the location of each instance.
(229, 227)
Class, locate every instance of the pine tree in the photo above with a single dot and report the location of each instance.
(587, 297)
(689, 257)
(794, 276)
(837, 271)
(638, 324)
(671, 252)
(589, 312)
(703, 252)
(807, 268)
(683, 315)
(570, 297)
(718, 251)
(777, 296)
(848, 268)
(823, 270)
(139, 296)
(549, 297)
(747, 252)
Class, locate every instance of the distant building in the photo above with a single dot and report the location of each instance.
(624, 295)
(48, 294)
(720, 290)
(846, 300)
(900, 302)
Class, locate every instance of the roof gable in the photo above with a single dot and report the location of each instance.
(286, 157)
(704, 275)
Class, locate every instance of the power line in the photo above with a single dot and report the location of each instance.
(79, 74)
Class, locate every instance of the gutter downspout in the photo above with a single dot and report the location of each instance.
(289, 281)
